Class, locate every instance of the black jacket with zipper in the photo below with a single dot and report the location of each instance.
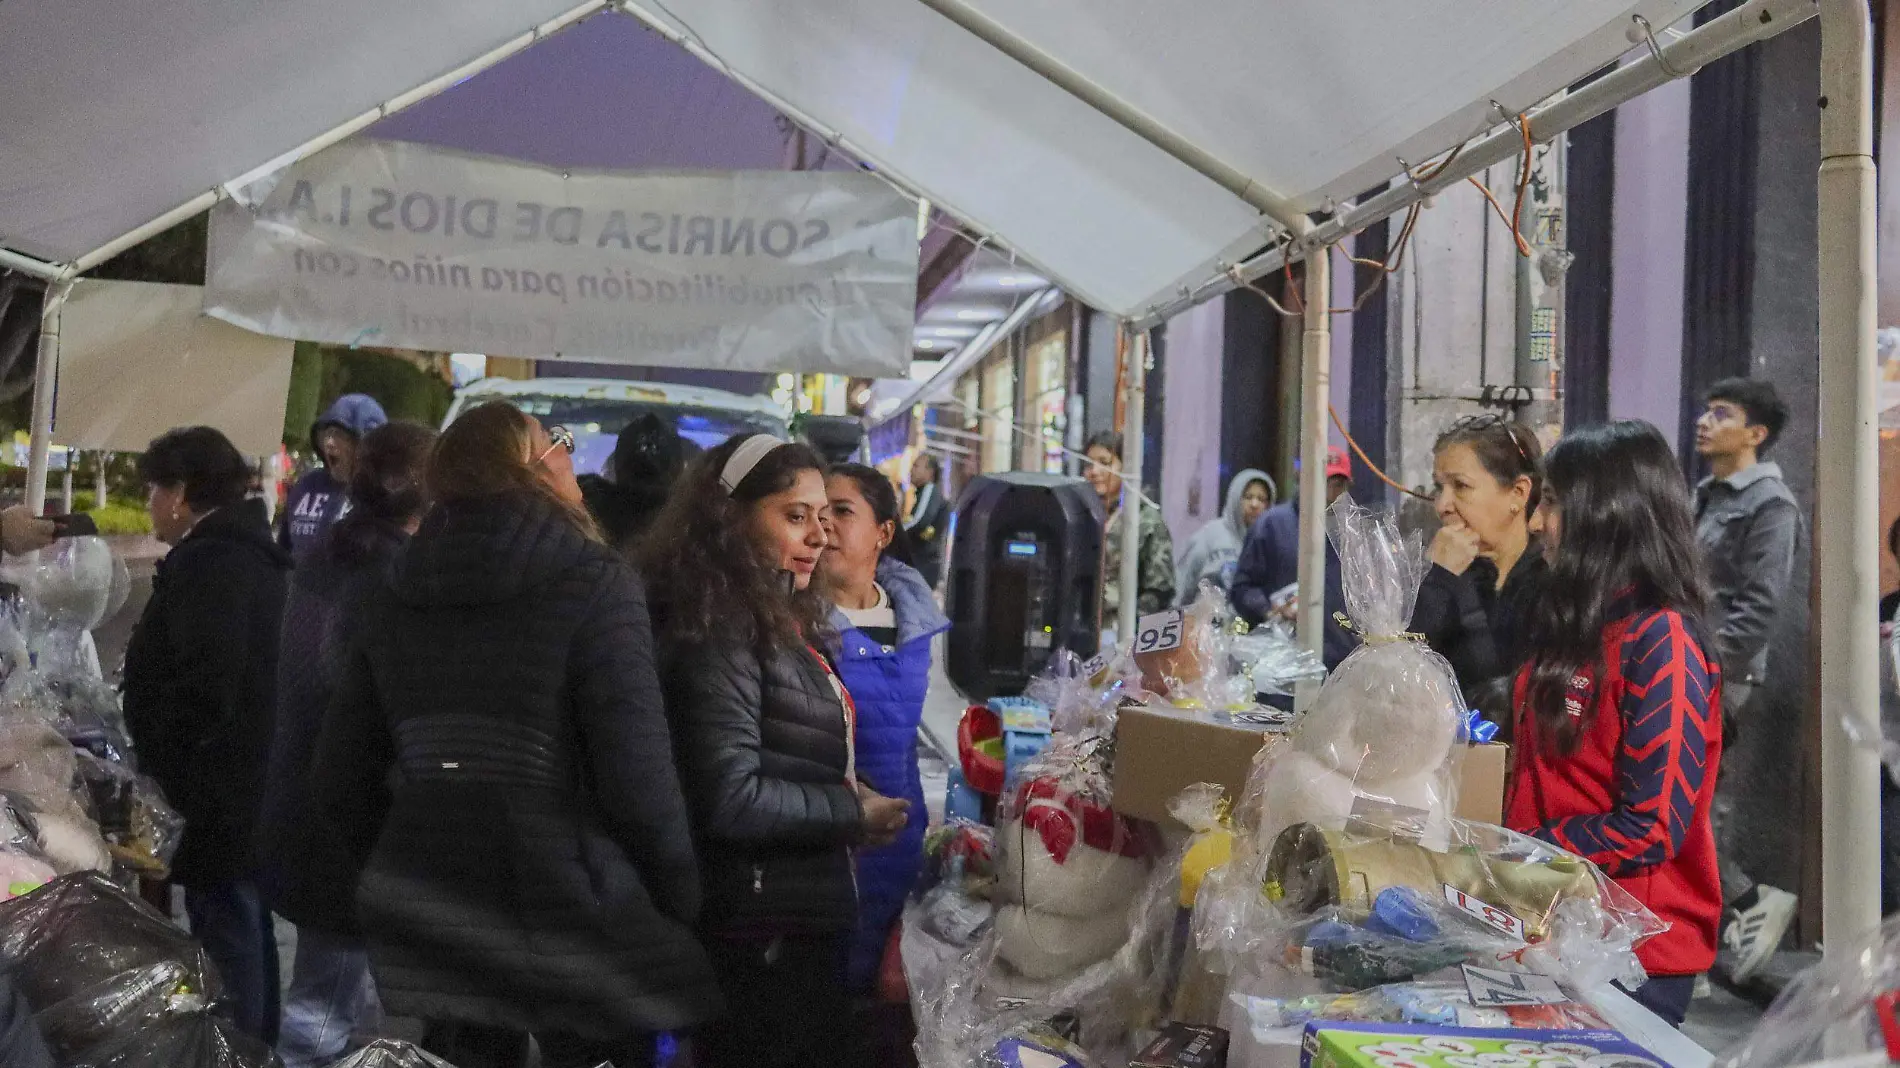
(201, 685)
(763, 755)
(498, 751)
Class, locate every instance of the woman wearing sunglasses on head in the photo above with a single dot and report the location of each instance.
(1486, 573)
(498, 752)
(767, 739)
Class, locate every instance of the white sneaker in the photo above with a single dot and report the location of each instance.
(1756, 934)
(1703, 990)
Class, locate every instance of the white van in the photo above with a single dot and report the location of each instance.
(596, 409)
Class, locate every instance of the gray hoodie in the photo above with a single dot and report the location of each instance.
(1211, 553)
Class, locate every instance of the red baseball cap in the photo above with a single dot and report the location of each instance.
(1337, 465)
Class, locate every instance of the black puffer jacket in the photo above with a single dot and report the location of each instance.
(300, 870)
(201, 682)
(498, 735)
(763, 756)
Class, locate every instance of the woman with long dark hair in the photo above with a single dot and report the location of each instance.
(1619, 717)
(885, 616)
(766, 735)
(331, 993)
(1486, 575)
(498, 750)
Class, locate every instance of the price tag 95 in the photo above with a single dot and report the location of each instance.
(1159, 632)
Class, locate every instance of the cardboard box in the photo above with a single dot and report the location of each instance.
(1159, 752)
(1481, 782)
(1368, 1045)
(1182, 1045)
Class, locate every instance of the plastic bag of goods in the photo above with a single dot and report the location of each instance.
(141, 830)
(1275, 661)
(1445, 1002)
(1083, 920)
(187, 1036)
(1082, 695)
(1842, 1013)
(77, 582)
(1366, 909)
(95, 963)
(392, 1053)
(1377, 744)
(1201, 673)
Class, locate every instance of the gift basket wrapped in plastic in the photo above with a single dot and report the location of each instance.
(67, 770)
(1842, 1013)
(1352, 891)
(113, 983)
(1051, 932)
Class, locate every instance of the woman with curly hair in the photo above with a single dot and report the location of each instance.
(765, 736)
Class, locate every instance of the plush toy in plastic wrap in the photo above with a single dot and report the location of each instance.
(1202, 672)
(1275, 661)
(113, 983)
(1377, 743)
(1842, 1013)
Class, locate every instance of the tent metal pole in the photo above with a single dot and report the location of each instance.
(1754, 21)
(1316, 344)
(1133, 418)
(1847, 482)
(1228, 177)
(206, 200)
(45, 382)
(28, 265)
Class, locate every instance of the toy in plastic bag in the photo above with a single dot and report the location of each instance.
(1837, 1013)
(75, 582)
(140, 829)
(1275, 661)
(1082, 696)
(1436, 1003)
(1201, 673)
(1377, 744)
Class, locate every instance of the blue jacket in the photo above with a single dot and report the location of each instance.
(888, 685)
(1270, 562)
(320, 498)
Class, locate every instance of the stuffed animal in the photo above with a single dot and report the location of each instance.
(1068, 871)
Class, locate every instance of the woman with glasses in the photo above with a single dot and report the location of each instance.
(1486, 575)
(497, 753)
(1619, 711)
(768, 746)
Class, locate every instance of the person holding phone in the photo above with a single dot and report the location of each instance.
(766, 736)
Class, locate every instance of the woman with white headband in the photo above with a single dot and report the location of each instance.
(764, 732)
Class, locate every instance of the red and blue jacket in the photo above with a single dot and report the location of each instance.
(1635, 797)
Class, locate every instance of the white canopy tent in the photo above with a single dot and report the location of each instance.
(1136, 160)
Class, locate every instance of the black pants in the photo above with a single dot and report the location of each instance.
(1668, 996)
(786, 1006)
(475, 1046)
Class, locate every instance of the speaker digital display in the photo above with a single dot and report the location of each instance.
(1025, 579)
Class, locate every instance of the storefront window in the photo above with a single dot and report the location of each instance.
(999, 401)
(1048, 368)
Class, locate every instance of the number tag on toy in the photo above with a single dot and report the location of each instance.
(1093, 666)
(1159, 632)
(1490, 915)
(1491, 988)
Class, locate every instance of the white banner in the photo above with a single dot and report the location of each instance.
(394, 244)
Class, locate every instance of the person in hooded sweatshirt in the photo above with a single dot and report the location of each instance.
(1213, 551)
(330, 994)
(200, 689)
(498, 765)
(321, 497)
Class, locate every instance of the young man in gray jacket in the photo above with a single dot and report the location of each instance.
(1750, 529)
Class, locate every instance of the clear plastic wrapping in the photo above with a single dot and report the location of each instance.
(1275, 661)
(1377, 744)
(1434, 1002)
(1834, 1013)
(1204, 674)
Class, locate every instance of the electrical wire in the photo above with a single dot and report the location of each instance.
(1047, 439)
(1515, 219)
(1367, 460)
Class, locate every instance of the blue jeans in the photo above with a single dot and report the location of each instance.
(231, 921)
(331, 996)
(1668, 996)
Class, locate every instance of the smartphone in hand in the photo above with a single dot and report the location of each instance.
(76, 525)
